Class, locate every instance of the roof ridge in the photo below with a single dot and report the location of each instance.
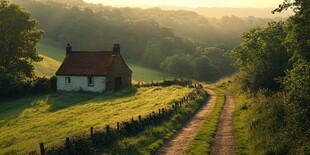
(86, 63)
(90, 51)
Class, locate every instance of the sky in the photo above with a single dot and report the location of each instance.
(192, 3)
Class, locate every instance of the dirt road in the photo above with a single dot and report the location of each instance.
(224, 138)
(179, 142)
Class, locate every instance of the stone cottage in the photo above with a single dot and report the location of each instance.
(93, 71)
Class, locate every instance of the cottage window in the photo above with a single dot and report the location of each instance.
(90, 81)
(68, 80)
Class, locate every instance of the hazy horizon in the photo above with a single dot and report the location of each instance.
(191, 4)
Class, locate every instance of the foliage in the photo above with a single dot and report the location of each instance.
(179, 65)
(18, 39)
(276, 121)
(262, 57)
(147, 36)
(14, 87)
(296, 83)
(298, 39)
(209, 65)
(296, 97)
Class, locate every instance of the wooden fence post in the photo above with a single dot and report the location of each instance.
(117, 125)
(91, 133)
(68, 144)
(140, 119)
(154, 115)
(42, 151)
(107, 128)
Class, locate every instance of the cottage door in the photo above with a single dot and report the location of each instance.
(118, 83)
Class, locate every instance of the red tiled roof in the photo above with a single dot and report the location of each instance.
(82, 63)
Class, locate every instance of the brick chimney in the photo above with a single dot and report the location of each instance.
(116, 49)
(68, 49)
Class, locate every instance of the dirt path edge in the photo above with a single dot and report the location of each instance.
(179, 141)
(224, 143)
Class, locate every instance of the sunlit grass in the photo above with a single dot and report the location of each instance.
(47, 67)
(240, 125)
(24, 123)
(51, 49)
(145, 74)
(148, 141)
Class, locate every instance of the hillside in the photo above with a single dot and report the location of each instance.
(50, 118)
(156, 38)
(53, 55)
(218, 12)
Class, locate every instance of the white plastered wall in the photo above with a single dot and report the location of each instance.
(80, 83)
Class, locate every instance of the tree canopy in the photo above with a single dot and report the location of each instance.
(274, 65)
(147, 36)
(261, 57)
(18, 39)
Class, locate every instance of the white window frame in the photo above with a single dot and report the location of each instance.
(90, 81)
(68, 80)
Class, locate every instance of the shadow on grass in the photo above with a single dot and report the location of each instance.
(12, 108)
(64, 100)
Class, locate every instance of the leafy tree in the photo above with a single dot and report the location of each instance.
(204, 70)
(261, 57)
(18, 39)
(146, 36)
(279, 123)
(298, 39)
(296, 85)
(179, 65)
(220, 59)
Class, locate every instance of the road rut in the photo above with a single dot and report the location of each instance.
(224, 138)
(179, 142)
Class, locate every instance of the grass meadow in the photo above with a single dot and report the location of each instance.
(26, 122)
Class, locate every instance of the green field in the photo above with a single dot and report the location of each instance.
(26, 122)
(53, 55)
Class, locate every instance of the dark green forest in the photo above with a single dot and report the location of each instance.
(180, 43)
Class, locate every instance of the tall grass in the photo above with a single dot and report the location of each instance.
(264, 124)
(205, 135)
(24, 123)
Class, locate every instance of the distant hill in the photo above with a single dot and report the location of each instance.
(239, 12)
(211, 12)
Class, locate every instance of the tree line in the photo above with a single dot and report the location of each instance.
(152, 37)
(273, 64)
